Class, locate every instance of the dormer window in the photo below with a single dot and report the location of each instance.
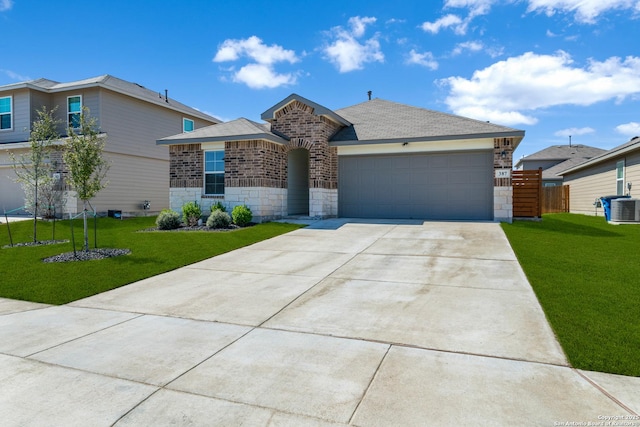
(74, 109)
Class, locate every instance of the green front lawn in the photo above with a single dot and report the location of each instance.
(24, 276)
(586, 275)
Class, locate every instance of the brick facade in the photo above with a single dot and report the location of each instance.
(500, 146)
(185, 166)
(254, 163)
(298, 123)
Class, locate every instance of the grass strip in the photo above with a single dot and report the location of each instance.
(586, 275)
(24, 276)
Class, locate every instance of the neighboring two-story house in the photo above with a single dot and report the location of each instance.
(377, 159)
(555, 159)
(129, 116)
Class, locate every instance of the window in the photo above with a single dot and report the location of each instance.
(187, 125)
(620, 177)
(6, 119)
(214, 173)
(74, 109)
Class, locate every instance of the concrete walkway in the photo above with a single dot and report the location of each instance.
(341, 323)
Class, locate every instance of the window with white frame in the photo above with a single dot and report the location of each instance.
(187, 125)
(214, 173)
(74, 109)
(6, 113)
(620, 178)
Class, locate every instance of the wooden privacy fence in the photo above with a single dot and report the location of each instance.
(531, 199)
(527, 193)
(555, 199)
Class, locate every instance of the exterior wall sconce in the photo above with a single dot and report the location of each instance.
(503, 154)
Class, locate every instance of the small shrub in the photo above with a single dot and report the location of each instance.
(168, 220)
(191, 213)
(218, 206)
(241, 215)
(218, 219)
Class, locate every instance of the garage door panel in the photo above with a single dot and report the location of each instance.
(455, 185)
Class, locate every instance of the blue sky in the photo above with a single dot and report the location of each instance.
(553, 68)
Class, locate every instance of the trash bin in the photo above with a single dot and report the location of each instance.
(606, 204)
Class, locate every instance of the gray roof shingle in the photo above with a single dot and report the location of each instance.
(561, 152)
(236, 130)
(117, 85)
(380, 120)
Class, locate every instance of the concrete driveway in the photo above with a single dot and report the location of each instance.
(341, 323)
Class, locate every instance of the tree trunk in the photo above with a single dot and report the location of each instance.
(86, 227)
(35, 212)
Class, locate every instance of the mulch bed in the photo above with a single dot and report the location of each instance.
(89, 255)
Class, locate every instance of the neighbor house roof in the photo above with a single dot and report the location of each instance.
(380, 121)
(112, 83)
(563, 152)
(631, 145)
(236, 130)
(554, 171)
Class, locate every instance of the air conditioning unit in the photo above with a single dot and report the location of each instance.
(625, 210)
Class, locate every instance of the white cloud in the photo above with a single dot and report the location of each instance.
(5, 5)
(473, 46)
(586, 11)
(445, 22)
(348, 53)
(509, 91)
(425, 59)
(630, 129)
(258, 76)
(15, 76)
(254, 48)
(261, 72)
(358, 24)
(574, 132)
(476, 7)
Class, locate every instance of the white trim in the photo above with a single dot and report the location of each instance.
(69, 112)
(417, 147)
(620, 180)
(10, 112)
(211, 146)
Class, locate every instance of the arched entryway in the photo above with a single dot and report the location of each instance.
(298, 182)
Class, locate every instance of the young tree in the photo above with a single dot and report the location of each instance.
(33, 170)
(83, 158)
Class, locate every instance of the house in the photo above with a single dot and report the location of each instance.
(377, 159)
(615, 172)
(556, 159)
(131, 118)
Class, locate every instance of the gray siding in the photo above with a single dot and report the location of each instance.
(600, 180)
(90, 99)
(21, 123)
(132, 180)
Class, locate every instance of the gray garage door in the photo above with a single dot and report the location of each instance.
(455, 186)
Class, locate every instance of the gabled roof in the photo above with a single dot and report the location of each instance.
(554, 171)
(563, 152)
(112, 83)
(380, 121)
(631, 145)
(317, 109)
(236, 130)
